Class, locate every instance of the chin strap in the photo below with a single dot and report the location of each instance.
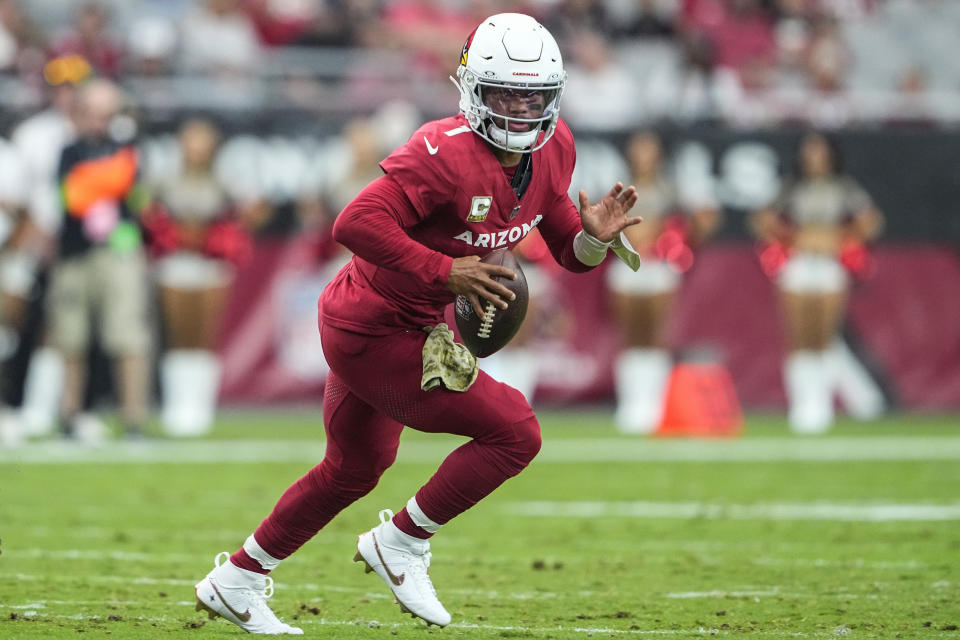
(521, 178)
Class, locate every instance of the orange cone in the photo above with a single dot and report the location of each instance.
(701, 401)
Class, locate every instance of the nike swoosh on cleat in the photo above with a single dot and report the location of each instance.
(242, 617)
(432, 150)
(396, 580)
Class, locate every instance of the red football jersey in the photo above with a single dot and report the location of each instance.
(459, 202)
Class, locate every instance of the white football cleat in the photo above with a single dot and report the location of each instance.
(403, 562)
(245, 604)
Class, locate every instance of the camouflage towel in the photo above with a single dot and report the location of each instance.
(446, 362)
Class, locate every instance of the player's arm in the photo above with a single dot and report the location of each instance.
(579, 240)
(372, 226)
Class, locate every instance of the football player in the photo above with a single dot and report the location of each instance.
(459, 188)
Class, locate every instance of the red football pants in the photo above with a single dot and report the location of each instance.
(373, 389)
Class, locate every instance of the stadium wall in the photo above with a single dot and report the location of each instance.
(904, 321)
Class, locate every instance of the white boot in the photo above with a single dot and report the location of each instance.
(190, 380)
(402, 561)
(515, 367)
(42, 389)
(641, 384)
(860, 395)
(240, 596)
(809, 391)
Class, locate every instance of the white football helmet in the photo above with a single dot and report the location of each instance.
(511, 56)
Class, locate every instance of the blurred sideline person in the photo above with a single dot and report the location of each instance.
(815, 233)
(98, 281)
(39, 140)
(496, 170)
(17, 275)
(642, 302)
(192, 232)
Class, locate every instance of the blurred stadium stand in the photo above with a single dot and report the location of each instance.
(285, 78)
(742, 62)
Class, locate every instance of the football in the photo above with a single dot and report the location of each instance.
(487, 335)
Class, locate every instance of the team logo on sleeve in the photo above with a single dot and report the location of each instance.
(479, 208)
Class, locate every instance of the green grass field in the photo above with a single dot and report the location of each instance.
(856, 533)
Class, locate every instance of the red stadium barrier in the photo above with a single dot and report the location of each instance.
(906, 317)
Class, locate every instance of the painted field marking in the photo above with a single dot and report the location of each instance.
(578, 450)
(757, 594)
(465, 626)
(836, 511)
(489, 594)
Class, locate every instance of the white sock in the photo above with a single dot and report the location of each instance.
(394, 537)
(420, 518)
(255, 551)
(641, 383)
(231, 575)
(516, 367)
(861, 396)
(41, 391)
(809, 391)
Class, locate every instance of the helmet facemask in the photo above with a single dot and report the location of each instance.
(487, 107)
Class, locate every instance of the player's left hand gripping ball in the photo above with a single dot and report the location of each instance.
(486, 335)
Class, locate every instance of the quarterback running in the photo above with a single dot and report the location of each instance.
(459, 188)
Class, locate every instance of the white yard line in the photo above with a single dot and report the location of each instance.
(554, 451)
(465, 626)
(489, 594)
(836, 511)
(757, 594)
(97, 554)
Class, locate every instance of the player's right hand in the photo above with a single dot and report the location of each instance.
(475, 280)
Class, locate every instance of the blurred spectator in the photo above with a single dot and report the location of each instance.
(641, 19)
(740, 33)
(100, 271)
(915, 103)
(815, 234)
(21, 43)
(151, 46)
(602, 95)
(17, 270)
(197, 243)
(689, 92)
(358, 163)
(673, 224)
(218, 37)
(566, 18)
(280, 22)
(430, 32)
(39, 141)
(344, 23)
(827, 60)
(90, 37)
